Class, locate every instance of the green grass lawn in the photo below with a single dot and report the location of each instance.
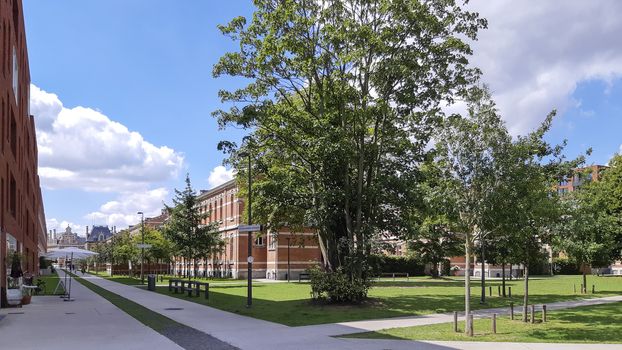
(289, 303)
(135, 281)
(51, 282)
(589, 324)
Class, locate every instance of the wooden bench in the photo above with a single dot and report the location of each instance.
(303, 276)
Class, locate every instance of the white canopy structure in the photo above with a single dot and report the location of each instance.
(69, 253)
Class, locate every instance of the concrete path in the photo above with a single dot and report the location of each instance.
(88, 322)
(250, 333)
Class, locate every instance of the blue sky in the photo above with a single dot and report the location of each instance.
(136, 77)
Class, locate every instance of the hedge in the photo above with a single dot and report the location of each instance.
(389, 263)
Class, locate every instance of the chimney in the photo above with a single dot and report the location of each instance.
(87, 230)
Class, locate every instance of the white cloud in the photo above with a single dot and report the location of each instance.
(122, 212)
(219, 175)
(82, 148)
(534, 53)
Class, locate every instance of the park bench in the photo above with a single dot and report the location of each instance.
(395, 274)
(303, 276)
(176, 284)
(194, 287)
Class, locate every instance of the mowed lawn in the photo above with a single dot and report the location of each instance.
(135, 281)
(589, 324)
(51, 282)
(290, 304)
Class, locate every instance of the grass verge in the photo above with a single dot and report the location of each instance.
(51, 282)
(588, 324)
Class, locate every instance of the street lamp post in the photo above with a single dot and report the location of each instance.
(288, 269)
(249, 259)
(142, 249)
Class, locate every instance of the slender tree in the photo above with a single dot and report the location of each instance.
(469, 153)
(190, 237)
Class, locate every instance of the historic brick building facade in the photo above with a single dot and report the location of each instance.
(272, 251)
(22, 219)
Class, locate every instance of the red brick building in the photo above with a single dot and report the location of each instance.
(272, 252)
(22, 219)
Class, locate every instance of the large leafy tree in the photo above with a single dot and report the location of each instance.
(588, 234)
(341, 100)
(161, 249)
(191, 239)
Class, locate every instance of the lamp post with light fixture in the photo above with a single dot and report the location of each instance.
(142, 249)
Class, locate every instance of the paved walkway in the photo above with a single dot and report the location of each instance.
(250, 333)
(88, 322)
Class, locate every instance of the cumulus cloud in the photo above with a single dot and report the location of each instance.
(534, 53)
(122, 211)
(219, 175)
(82, 148)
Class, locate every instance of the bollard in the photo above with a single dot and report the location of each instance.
(593, 289)
(494, 323)
(470, 325)
(543, 313)
(574, 287)
(456, 321)
(510, 292)
(499, 290)
(489, 290)
(533, 313)
(512, 311)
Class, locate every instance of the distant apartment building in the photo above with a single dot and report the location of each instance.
(273, 252)
(22, 218)
(580, 177)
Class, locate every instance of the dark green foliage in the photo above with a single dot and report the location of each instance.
(342, 100)
(565, 266)
(380, 263)
(43, 263)
(337, 286)
(189, 237)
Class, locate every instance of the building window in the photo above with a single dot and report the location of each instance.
(13, 197)
(15, 76)
(259, 241)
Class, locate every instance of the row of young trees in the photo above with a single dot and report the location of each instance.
(344, 106)
(182, 236)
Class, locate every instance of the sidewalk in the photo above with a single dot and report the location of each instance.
(250, 333)
(88, 322)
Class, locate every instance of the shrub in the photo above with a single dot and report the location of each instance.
(337, 286)
(388, 263)
(565, 266)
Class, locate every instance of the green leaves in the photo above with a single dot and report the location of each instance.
(341, 100)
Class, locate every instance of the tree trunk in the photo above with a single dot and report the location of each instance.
(503, 278)
(526, 296)
(467, 283)
(483, 298)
